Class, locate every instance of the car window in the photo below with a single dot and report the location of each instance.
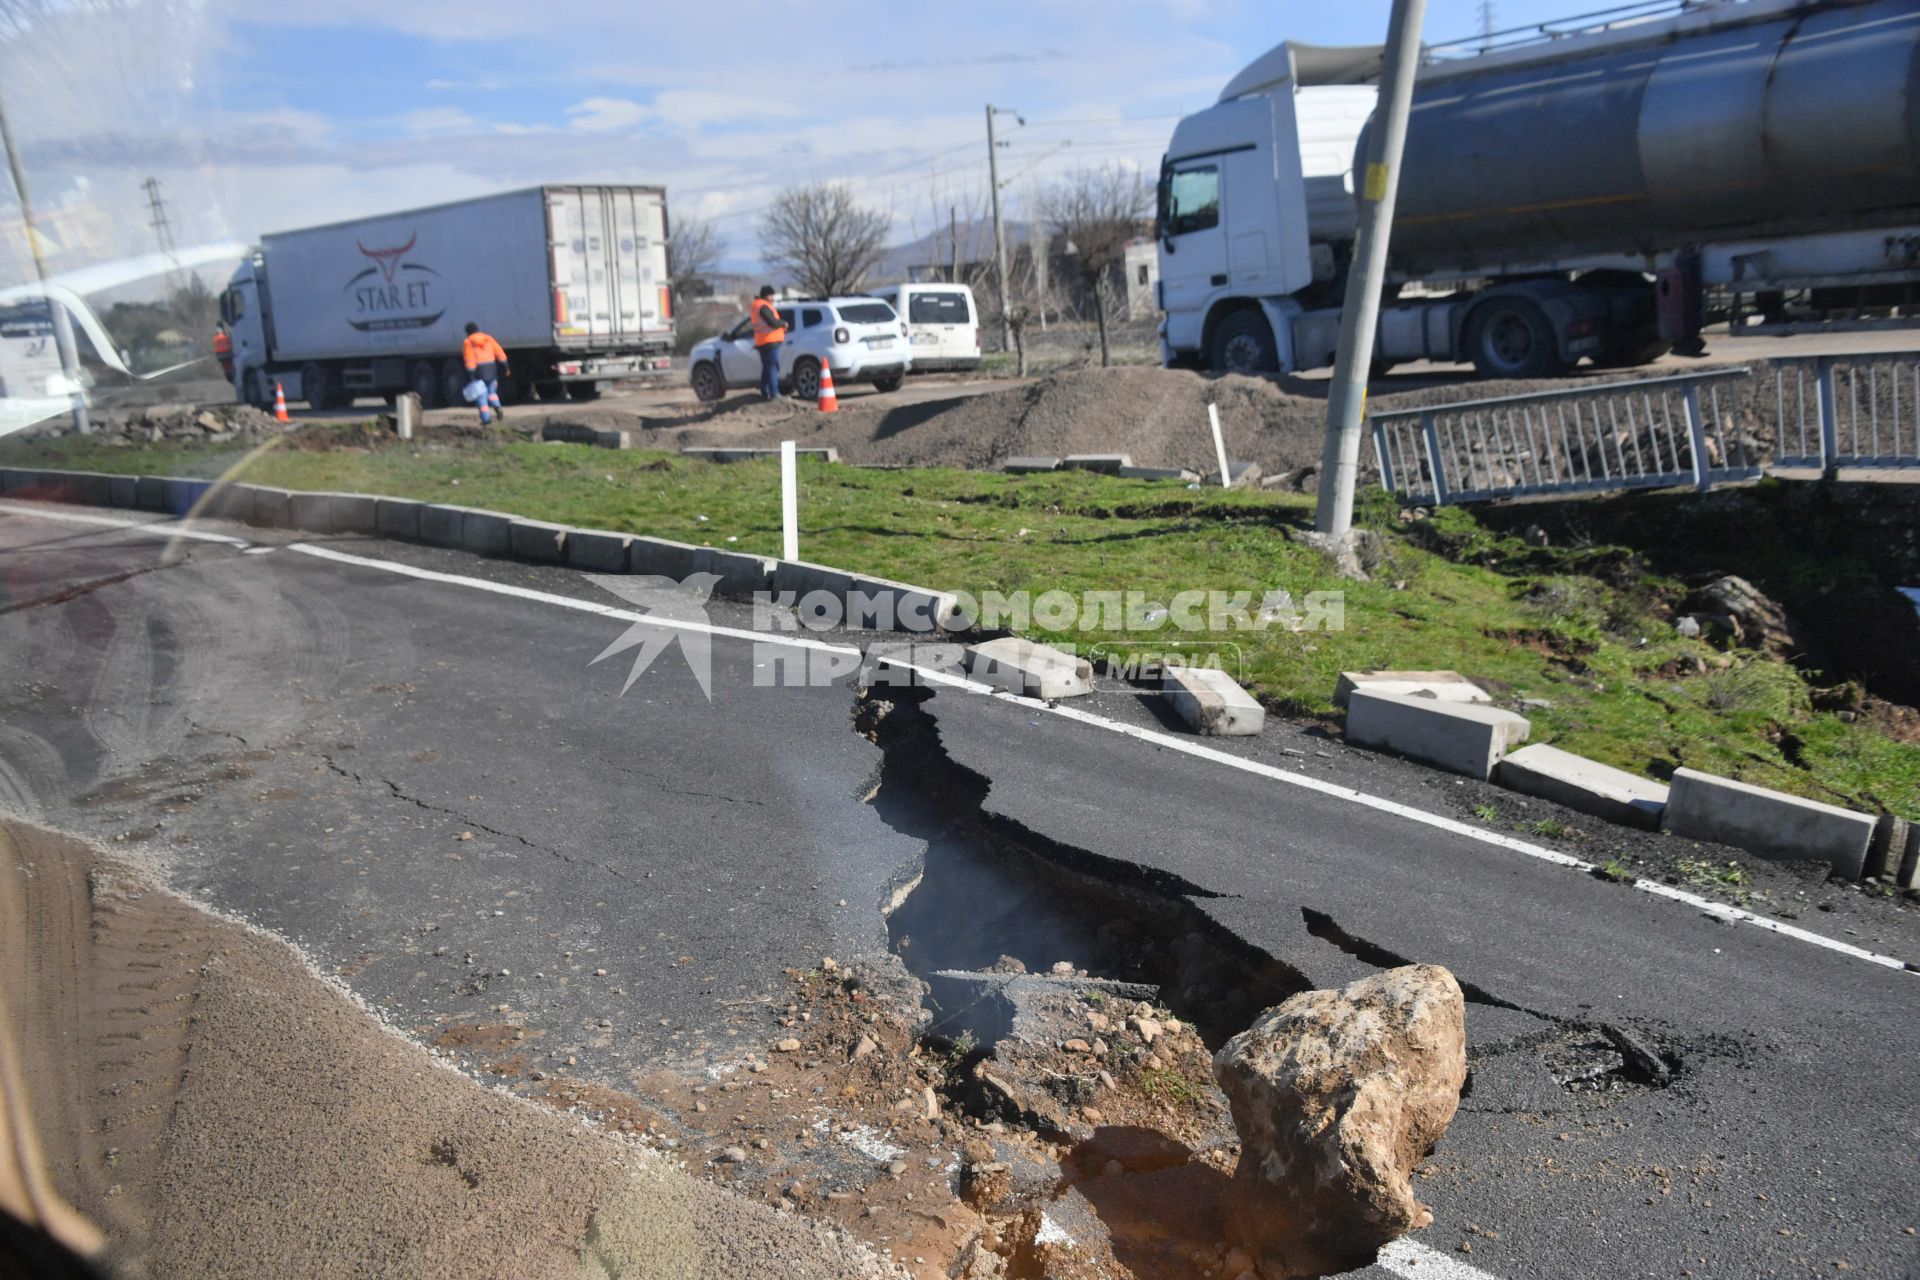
(1194, 200)
(938, 308)
(739, 331)
(866, 313)
(786, 317)
(811, 317)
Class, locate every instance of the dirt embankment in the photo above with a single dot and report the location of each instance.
(220, 1111)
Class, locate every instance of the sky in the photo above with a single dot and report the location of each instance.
(269, 114)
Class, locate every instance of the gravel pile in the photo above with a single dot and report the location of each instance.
(182, 423)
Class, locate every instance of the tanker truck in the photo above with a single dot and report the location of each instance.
(1568, 196)
(571, 280)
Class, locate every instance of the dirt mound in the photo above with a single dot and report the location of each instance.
(181, 424)
(220, 1111)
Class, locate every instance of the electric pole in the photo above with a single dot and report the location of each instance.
(1360, 314)
(1486, 25)
(999, 227)
(162, 227)
(62, 322)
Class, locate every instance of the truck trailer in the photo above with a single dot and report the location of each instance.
(1570, 193)
(572, 281)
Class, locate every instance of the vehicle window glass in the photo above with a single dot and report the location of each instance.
(866, 313)
(937, 308)
(1194, 204)
(786, 317)
(811, 317)
(740, 330)
(237, 303)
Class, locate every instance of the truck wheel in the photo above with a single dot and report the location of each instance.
(1511, 338)
(1244, 344)
(708, 385)
(583, 391)
(891, 383)
(321, 387)
(424, 381)
(806, 378)
(257, 394)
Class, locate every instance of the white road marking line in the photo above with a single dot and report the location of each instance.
(567, 602)
(167, 527)
(1415, 1261)
(1708, 905)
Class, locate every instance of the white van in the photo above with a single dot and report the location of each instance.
(942, 321)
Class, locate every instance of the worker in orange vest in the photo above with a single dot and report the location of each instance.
(487, 364)
(223, 352)
(769, 331)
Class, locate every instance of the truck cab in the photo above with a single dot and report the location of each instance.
(244, 319)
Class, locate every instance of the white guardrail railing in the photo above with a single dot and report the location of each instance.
(1847, 410)
(1651, 433)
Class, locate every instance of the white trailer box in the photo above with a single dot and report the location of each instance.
(572, 281)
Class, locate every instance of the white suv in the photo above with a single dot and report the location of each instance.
(862, 339)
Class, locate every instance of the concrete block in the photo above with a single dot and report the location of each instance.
(272, 508)
(120, 490)
(598, 550)
(1908, 876)
(1447, 686)
(1036, 670)
(706, 454)
(398, 517)
(1028, 466)
(662, 557)
(1212, 702)
(88, 488)
(878, 604)
(801, 577)
(15, 478)
(1886, 849)
(1771, 824)
(1159, 473)
(183, 495)
(1460, 737)
(487, 533)
(538, 540)
(153, 493)
(1240, 475)
(1108, 463)
(228, 502)
(325, 512)
(1584, 785)
(740, 574)
(440, 523)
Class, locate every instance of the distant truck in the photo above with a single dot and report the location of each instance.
(572, 281)
(1570, 193)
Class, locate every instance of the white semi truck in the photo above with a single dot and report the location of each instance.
(571, 280)
(1571, 194)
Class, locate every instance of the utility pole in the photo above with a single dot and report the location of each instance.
(1360, 314)
(162, 226)
(953, 243)
(999, 227)
(1486, 25)
(62, 322)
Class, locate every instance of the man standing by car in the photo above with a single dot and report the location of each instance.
(769, 331)
(486, 363)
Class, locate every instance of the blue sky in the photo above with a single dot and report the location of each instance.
(272, 114)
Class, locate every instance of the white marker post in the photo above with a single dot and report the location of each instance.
(789, 503)
(1219, 445)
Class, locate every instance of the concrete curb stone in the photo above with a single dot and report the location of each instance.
(1212, 702)
(1583, 785)
(487, 533)
(538, 540)
(1461, 737)
(1024, 667)
(398, 517)
(1768, 823)
(598, 550)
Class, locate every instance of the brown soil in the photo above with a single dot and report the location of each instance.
(220, 1111)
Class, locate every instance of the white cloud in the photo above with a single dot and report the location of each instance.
(429, 121)
(603, 115)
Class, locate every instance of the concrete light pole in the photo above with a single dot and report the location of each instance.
(62, 322)
(1360, 314)
(999, 228)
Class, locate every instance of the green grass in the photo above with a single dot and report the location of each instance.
(1575, 630)
(1171, 1086)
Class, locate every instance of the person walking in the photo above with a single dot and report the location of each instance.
(487, 364)
(769, 331)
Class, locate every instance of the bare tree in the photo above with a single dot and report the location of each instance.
(694, 249)
(821, 238)
(1099, 211)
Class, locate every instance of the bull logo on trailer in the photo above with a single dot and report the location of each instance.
(403, 296)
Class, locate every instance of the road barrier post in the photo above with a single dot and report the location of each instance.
(789, 503)
(1219, 445)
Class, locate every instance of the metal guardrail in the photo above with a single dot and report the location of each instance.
(1652, 433)
(1855, 410)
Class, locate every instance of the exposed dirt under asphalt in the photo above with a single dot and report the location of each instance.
(221, 1111)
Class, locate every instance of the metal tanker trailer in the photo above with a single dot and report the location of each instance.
(1567, 194)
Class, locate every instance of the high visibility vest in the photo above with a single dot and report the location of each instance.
(222, 344)
(479, 349)
(767, 325)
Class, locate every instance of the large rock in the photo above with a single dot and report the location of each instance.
(1758, 622)
(1337, 1095)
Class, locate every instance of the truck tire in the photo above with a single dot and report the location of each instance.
(321, 387)
(889, 384)
(708, 385)
(583, 391)
(1511, 338)
(1243, 343)
(423, 379)
(806, 378)
(257, 393)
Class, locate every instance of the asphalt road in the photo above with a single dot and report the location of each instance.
(438, 794)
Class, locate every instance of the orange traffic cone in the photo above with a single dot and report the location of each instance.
(829, 402)
(280, 404)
